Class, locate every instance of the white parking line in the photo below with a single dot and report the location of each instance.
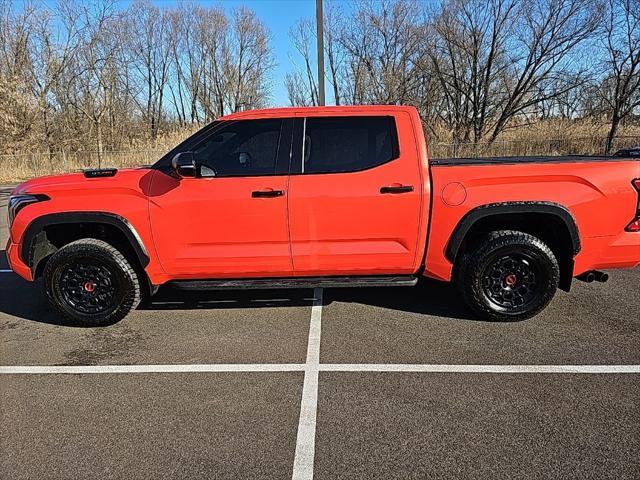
(322, 367)
(231, 367)
(306, 440)
(435, 368)
(6, 271)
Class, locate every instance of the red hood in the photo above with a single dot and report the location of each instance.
(127, 178)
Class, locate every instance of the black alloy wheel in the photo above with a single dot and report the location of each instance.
(91, 283)
(88, 286)
(507, 276)
(510, 281)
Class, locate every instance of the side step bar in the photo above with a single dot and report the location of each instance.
(295, 282)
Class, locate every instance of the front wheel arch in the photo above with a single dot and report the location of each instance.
(47, 234)
(38, 242)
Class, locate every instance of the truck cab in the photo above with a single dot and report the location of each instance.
(295, 195)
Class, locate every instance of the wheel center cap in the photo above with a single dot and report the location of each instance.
(89, 287)
(510, 280)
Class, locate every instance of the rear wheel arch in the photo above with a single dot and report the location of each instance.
(550, 222)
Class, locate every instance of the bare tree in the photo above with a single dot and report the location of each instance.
(469, 58)
(336, 56)
(18, 108)
(149, 46)
(499, 60)
(548, 32)
(298, 90)
(478, 67)
(250, 59)
(621, 86)
(96, 73)
(41, 55)
(384, 44)
(221, 65)
(302, 85)
(102, 76)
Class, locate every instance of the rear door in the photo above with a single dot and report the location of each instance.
(354, 195)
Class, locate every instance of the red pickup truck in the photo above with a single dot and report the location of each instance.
(328, 196)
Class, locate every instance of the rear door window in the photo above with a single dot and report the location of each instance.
(347, 144)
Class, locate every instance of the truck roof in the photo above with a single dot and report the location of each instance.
(320, 111)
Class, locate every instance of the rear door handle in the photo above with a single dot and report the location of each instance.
(397, 189)
(267, 193)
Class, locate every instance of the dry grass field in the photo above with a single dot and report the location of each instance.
(24, 165)
(551, 137)
(555, 137)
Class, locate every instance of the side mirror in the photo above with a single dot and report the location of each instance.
(184, 165)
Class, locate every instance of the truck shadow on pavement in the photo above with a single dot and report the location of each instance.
(26, 300)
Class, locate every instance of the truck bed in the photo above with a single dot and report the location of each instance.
(528, 159)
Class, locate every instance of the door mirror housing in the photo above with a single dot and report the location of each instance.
(184, 165)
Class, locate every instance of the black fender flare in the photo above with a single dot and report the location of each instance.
(30, 239)
(493, 209)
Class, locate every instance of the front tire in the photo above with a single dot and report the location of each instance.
(90, 283)
(508, 276)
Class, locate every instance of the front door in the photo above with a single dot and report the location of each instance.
(355, 196)
(231, 220)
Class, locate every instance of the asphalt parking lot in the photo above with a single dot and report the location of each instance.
(376, 383)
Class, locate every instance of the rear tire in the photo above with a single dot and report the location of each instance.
(508, 276)
(90, 283)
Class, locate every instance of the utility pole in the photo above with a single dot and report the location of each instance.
(320, 47)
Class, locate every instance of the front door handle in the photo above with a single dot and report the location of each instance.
(268, 193)
(397, 189)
